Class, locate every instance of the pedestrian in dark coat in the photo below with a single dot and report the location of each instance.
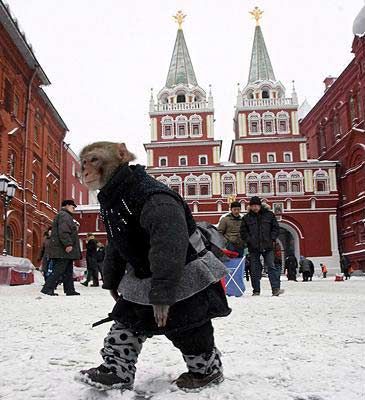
(260, 229)
(91, 261)
(345, 266)
(305, 268)
(291, 266)
(311, 270)
(63, 249)
(169, 283)
(100, 255)
(43, 256)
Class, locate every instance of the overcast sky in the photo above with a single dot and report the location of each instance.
(103, 57)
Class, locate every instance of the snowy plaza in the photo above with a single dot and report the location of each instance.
(305, 345)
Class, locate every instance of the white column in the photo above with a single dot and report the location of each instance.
(240, 178)
(153, 129)
(216, 155)
(294, 123)
(333, 232)
(308, 180)
(238, 152)
(216, 183)
(150, 158)
(333, 181)
(210, 126)
(303, 151)
(242, 125)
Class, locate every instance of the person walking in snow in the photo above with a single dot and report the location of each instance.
(43, 256)
(91, 261)
(291, 266)
(345, 266)
(324, 270)
(305, 268)
(260, 229)
(63, 249)
(229, 227)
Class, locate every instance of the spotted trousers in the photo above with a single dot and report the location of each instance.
(122, 347)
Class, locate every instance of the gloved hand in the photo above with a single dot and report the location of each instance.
(161, 313)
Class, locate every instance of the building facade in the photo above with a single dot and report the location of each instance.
(335, 130)
(32, 151)
(268, 155)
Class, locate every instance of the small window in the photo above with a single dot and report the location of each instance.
(204, 189)
(8, 96)
(253, 187)
(34, 183)
(181, 130)
(36, 134)
(266, 188)
(48, 193)
(271, 157)
(12, 162)
(255, 158)
(283, 187)
(163, 161)
(195, 129)
(269, 126)
(228, 188)
(167, 130)
(321, 186)
(288, 157)
(73, 192)
(254, 126)
(73, 169)
(265, 94)
(295, 187)
(180, 98)
(183, 161)
(80, 198)
(191, 189)
(203, 160)
(16, 106)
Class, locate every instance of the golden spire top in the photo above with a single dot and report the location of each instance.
(257, 14)
(179, 18)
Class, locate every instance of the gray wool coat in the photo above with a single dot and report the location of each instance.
(64, 234)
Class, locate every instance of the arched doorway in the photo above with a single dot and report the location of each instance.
(289, 240)
(9, 241)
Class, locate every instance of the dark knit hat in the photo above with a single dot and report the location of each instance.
(255, 200)
(68, 203)
(235, 204)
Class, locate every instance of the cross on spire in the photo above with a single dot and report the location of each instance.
(257, 14)
(179, 18)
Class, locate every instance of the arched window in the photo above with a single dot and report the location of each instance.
(175, 183)
(195, 125)
(269, 122)
(205, 184)
(228, 184)
(296, 182)
(321, 182)
(183, 161)
(9, 241)
(254, 126)
(34, 183)
(163, 161)
(55, 199)
(191, 186)
(203, 160)
(336, 127)
(181, 98)
(163, 179)
(48, 193)
(265, 94)
(12, 163)
(250, 94)
(252, 183)
(181, 126)
(283, 122)
(266, 183)
(352, 109)
(282, 182)
(167, 123)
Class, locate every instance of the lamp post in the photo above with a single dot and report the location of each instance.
(7, 192)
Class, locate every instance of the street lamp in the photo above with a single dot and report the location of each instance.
(7, 192)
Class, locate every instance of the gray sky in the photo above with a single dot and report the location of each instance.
(103, 57)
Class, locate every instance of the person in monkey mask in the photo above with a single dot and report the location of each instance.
(160, 273)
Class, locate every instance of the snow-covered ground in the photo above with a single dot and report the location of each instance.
(306, 345)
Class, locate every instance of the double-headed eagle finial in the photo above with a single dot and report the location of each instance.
(179, 18)
(257, 14)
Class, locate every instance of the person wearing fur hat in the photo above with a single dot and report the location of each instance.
(260, 229)
(229, 227)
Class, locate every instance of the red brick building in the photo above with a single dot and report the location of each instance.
(335, 131)
(268, 155)
(31, 142)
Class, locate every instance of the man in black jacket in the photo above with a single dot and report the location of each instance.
(91, 261)
(260, 229)
(63, 249)
(159, 272)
